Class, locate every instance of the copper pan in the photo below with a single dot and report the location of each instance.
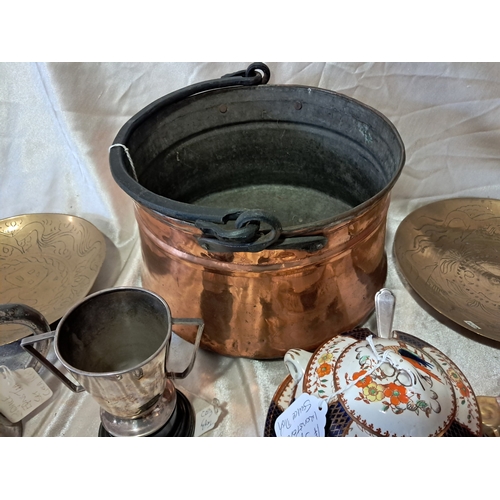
(261, 208)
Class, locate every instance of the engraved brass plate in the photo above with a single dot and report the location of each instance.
(449, 251)
(48, 262)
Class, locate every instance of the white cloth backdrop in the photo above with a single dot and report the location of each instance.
(58, 120)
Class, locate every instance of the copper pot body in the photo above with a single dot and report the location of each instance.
(259, 305)
(228, 183)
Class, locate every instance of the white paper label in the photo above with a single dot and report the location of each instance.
(305, 417)
(207, 414)
(21, 392)
(206, 418)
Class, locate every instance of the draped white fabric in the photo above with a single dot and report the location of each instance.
(58, 121)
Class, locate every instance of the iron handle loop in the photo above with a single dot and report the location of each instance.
(218, 238)
(257, 67)
(223, 233)
(258, 74)
(258, 216)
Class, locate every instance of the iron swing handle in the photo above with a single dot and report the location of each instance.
(255, 74)
(217, 236)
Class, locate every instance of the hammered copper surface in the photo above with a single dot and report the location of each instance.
(449, 252)
(261, 304)
(48, 262)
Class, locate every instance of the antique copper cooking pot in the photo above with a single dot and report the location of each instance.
(261, 209)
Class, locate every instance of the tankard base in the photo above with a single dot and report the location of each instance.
(147, 423)
(181, 423)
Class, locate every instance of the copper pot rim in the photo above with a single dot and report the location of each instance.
(123, 170)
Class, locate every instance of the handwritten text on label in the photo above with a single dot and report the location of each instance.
(305, 417)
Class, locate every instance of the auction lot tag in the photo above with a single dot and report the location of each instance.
(21, 392)
(305, 417)
(206, 418)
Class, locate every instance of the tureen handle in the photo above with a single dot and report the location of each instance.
(296, 361)
(384, 311)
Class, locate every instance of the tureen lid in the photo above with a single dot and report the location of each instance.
(391, 388)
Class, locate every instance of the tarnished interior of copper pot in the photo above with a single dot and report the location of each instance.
(305, 155)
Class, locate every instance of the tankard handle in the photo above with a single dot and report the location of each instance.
(187, 321)
(26, 345)
(22, 314)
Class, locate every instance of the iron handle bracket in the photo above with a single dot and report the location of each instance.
(246, 236)
(306, 243)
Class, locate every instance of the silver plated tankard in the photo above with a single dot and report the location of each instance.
(115, 343)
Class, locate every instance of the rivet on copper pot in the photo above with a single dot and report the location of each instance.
(222, 108)
(297, 105)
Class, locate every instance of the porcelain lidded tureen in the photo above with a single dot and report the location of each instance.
(386, 386)
(390, 388)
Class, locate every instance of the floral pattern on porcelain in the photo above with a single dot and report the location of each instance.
(408, 394)
(393, 396)
(468, 413)
(318, 379)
